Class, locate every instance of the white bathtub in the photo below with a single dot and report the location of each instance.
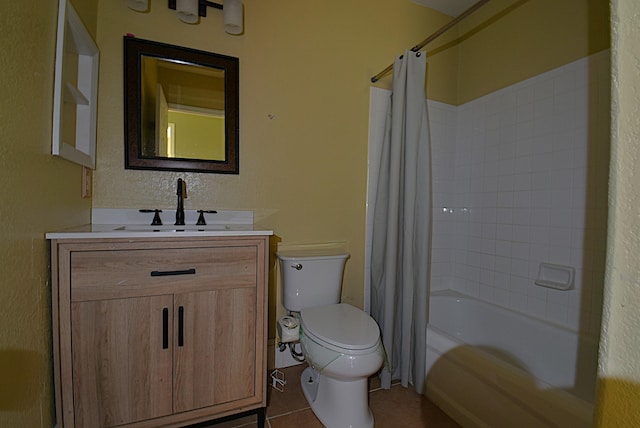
(492, 367)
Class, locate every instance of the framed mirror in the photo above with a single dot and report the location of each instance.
(181, 108)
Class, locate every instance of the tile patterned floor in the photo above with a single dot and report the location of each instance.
(394, 408)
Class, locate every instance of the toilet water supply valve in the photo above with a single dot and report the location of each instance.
(288, 330)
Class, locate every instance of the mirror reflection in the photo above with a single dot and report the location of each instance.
(181, 108)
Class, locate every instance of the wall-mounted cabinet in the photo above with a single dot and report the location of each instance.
(75, 90)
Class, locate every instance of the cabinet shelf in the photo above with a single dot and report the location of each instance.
(73, 95)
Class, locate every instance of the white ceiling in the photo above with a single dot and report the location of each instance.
(448, 7)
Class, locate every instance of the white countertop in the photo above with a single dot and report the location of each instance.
(127, 223)
(90, 231)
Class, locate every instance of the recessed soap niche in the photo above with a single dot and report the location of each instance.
(555, 276)
(75, 95)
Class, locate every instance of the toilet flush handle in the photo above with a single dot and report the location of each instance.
(297, 267)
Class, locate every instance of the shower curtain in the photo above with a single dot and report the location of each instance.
(401, 227)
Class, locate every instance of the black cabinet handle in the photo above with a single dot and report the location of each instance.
(165, 328)
(181, 326)
(191, 271)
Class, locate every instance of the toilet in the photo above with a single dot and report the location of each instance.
(340, 342)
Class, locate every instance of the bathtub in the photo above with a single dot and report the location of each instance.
(492, 367)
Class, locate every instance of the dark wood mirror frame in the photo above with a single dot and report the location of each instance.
(134, 50)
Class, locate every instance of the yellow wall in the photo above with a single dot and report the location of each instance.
(508, 41)
(304, 95)
(198, 136)
(304, 100)
(619, 368)
(304, 86)
(39, 193)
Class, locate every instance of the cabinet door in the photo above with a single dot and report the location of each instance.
(215, 349)
(122, 360)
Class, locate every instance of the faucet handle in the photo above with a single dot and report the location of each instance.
(157, 221)
(201, 221)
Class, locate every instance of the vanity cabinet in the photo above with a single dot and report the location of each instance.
(158, 332)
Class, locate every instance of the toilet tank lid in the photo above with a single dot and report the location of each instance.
(316, 253)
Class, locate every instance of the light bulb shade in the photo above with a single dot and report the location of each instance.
(138, 5)
(187, 11)
(232, 13)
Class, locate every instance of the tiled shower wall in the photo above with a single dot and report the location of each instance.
(520, 178)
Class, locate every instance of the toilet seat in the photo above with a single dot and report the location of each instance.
(342, 327)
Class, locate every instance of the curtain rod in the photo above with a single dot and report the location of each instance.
(435, 35)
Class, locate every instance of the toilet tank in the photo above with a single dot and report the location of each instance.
(311, 277)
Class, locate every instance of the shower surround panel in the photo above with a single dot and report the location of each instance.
(520, 178)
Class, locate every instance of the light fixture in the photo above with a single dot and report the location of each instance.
(232, 15)
(138, 5)
(189, 11)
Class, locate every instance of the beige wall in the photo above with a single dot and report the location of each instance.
(39, 193)
(619, 368)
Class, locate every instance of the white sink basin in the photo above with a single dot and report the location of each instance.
(173, 228)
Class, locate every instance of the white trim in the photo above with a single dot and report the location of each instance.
(83, 93)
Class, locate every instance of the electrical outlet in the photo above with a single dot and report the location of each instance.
(86, 182)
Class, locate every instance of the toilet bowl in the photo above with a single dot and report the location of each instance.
(340, 342)
(342, 346)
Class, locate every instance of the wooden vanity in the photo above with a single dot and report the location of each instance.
(159, 331)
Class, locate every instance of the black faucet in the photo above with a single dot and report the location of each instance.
(182, 194)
